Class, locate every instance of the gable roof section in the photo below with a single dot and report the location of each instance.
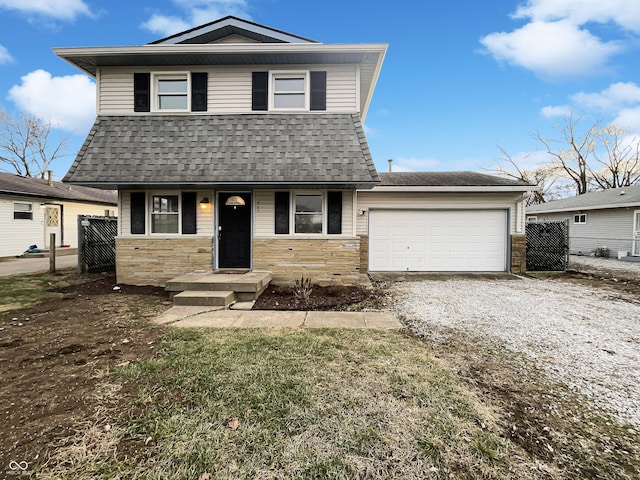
(227, 26)
(610, 198)
(448, 182)
(217, 150)
(11, 184)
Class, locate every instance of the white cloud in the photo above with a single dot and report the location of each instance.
(69, 101)
(629, 119)
(196, 12)
(613, 98)
(552, 111)
(625, 13)
(5, 56)
(58, 9)
(551, 49)
(413, 164)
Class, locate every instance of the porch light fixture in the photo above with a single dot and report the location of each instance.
(204, 203)
(235, 201)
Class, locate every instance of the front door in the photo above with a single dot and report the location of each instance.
(636, 234)
(52, 224)
(234, 230)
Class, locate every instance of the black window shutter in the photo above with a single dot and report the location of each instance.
(334, 212)
(318, 90)
(189, 213)
(141, 92)
(260, 91)
(138, 213)
(199, 91)
(282, 212)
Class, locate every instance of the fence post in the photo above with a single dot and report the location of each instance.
(80, 244)
(52, 253)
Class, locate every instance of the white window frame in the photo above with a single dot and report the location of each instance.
(29, 211)
(157, 77)
(274, 75)
(151, 212)
(323, 195)
(580, 218)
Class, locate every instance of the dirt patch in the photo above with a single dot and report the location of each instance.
(53, 356)
(335, 297)
(605, 282)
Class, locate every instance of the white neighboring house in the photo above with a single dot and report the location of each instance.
(605, 219)
(33, 208)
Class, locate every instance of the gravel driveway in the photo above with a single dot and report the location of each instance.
(586, 337)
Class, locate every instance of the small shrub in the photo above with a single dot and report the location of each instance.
(302, 289)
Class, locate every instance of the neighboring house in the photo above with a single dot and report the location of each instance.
(33, 208)
(237, 146)
(607, 219)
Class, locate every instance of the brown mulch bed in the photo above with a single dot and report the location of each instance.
(335, 297)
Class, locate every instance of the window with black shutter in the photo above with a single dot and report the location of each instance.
(199, 91)
(138, 213)
(282, 212)
(260, 91)
(318, 91)
(189, 213)
(334, 212)
(141, 92)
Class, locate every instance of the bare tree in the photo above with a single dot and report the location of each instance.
(27, 145)
(570, 154)
(540, 176)
(619, 158)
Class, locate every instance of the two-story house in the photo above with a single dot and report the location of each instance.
(238, 146)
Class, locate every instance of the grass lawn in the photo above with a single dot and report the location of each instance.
(291, 404)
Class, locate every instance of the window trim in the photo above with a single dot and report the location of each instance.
(155, 91)
(580, 219)
(150, 211)
(276, 74)
(30, 211)
(293, 213)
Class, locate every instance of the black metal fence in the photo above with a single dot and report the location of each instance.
(548, 246)
(97, 243)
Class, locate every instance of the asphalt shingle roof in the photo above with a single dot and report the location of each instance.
(284, 149)
(609, 198)
(446, 179)
(38, 187)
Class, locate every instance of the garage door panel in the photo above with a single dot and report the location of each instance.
(437, 240)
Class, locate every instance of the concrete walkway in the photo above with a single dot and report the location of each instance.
(16, 266)
(208, 317)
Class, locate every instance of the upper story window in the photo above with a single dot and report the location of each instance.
(580, 218)
(289, 91)
(22, 211)
(171, 92)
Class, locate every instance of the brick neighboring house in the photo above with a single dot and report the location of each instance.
(234, 145)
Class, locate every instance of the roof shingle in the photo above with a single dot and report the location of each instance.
(38, 187)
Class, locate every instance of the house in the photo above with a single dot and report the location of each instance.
(234, 145)
(607, 221)
(33, 208)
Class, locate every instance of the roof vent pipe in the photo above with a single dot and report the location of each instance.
(50, 177)
(390, 162)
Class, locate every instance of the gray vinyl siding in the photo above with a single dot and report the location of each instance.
(611, 228)
(229, 87)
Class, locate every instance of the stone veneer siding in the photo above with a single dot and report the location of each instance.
(153, 261)
(323, 260)
(518, 253)
(364, 253)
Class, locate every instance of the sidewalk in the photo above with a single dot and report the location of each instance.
(15, 266)
(208, 317)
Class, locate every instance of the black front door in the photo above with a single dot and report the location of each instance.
(234, 230)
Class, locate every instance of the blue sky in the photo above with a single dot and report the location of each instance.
(461, 78)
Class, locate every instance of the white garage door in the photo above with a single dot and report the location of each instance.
(437, 240)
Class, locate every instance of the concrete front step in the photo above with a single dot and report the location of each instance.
(204, 299)
(247, 286)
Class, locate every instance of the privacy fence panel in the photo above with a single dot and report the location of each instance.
(97, 243)
(548, 246)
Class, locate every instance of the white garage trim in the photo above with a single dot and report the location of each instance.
(428, 240)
